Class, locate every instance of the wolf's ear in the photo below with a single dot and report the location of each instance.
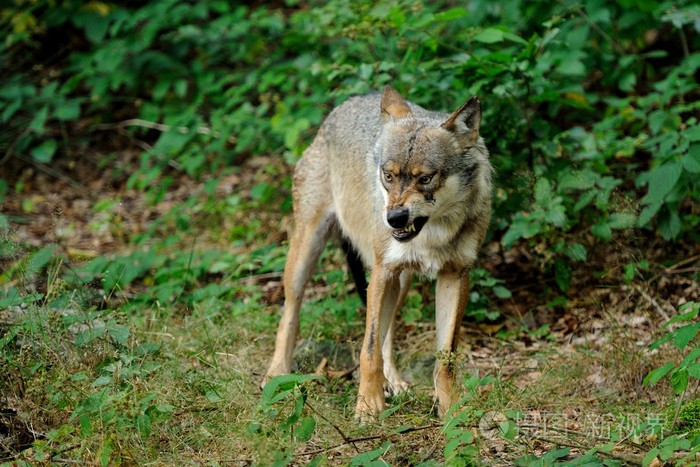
(393, 105)
(465, 121)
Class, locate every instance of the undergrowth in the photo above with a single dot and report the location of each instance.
(153, 352)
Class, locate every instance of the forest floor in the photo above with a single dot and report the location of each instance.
(565, 369)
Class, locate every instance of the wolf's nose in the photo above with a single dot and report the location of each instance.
(397, 218)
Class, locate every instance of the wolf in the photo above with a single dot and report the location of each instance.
(409, 191)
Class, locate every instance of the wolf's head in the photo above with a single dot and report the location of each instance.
(427, 164)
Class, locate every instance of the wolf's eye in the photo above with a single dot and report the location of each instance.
(388, 176)
(425, 179)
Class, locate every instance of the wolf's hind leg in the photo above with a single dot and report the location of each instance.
(314, 221)
(305, 248)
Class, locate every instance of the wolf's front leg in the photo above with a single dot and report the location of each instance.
(395, 384)
(382, 296)
(451, 295)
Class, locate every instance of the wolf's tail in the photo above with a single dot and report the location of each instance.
(357, 270)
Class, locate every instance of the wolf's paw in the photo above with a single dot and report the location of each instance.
(367, 410)
(266, 379)
(395, 387)
(394, 384)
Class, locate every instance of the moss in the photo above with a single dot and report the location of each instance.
(689, 417)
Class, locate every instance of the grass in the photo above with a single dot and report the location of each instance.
(131, 376)
(184, 387)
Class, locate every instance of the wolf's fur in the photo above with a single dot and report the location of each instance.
(379, 169)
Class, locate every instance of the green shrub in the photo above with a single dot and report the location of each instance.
(592, 127)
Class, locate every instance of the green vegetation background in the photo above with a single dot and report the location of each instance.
(590, 113)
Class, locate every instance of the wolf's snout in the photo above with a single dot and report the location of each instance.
(397, 218)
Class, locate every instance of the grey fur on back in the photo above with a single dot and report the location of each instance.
(349, 148)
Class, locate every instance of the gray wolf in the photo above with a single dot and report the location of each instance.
(409, 190)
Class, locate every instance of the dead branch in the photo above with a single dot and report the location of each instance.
(202, 130)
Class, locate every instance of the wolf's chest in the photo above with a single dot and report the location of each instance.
(428, 255)
(415, 257)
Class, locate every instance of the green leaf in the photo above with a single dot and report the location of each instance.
(489, 36)
(555, 454)
(576, 252)
(284, 383)
(105, 452)
(45, 151)
(572, 66)
(212, 395)
(650, 457)
(622, 220)
(90, 334)
(305, 430)
(102, 381)
(172, 142)
(672, 444)
(578, 180)
(39, 120)
(293, 132)
(602, 230)
(562, 274)
(160, 89)
(657, 119)
(543, 191)
(11, 92)
(514, 38)
(386, 412)
(95, 401)
(94, 22)
(520, 229)
(262, 192)
(451, 14)
(648, 214)
(180, 87)
(684, 335)
(584, 200)
(627, 82)
(691, 357)
(687, 315)
(502, 292)
(119, 333)
(39, 259)
(143, 424)
(367, 457)
(670, 224)
(661, 182)
(679, 379)
(10, 110)
(655, 376)
(692, 133)
(68, 110)
(660, 341)
(691, 161)
(556, 215)
(15, 299)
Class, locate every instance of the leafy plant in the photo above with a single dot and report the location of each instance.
(460, 443)
(283, 401)
(480, 306)
(680, 375)
(682, 338)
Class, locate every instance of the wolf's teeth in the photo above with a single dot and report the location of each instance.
(412, 228)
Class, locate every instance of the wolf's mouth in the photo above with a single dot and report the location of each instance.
(410, 231)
